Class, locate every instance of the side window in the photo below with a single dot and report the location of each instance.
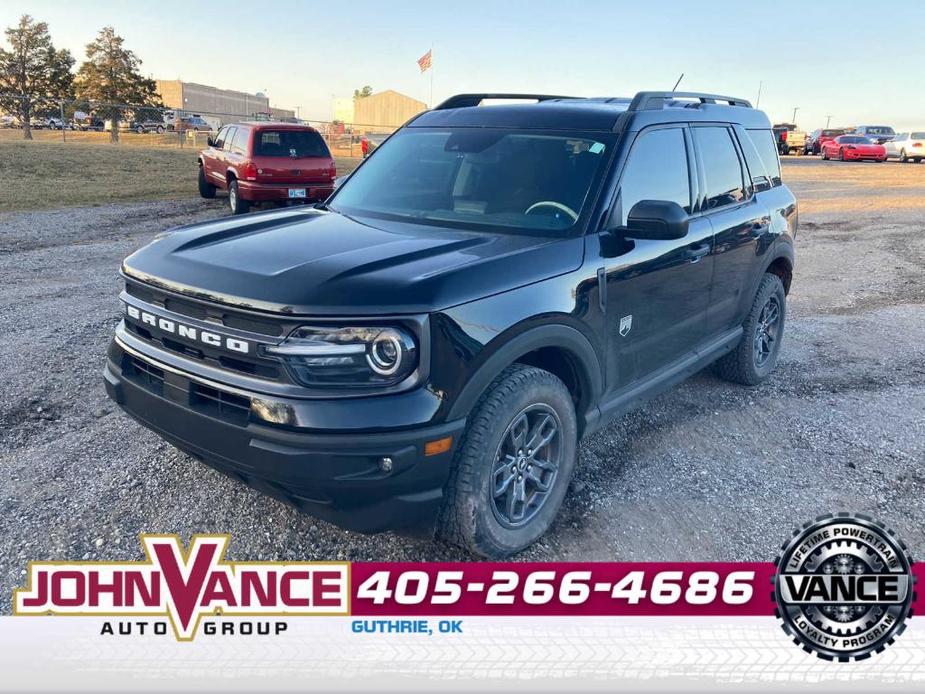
(229, 138)
(764, 145)
(220, 138)
(656, 170)
(721, 167)
(239, 144)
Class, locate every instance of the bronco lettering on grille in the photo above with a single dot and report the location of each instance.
(187, 331)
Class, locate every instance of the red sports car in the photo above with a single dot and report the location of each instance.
(853, 148)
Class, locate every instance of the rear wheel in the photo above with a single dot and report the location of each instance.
(238, 206)
(825, 154)
(756, 356)
(160, 130)
(513, 466)
(841, 154)
(140, 130)
(206, 189)
(903, 157)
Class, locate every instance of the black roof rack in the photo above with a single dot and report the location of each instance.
(465, 100)
(653, 101)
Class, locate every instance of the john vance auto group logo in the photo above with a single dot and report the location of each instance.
(184, 586)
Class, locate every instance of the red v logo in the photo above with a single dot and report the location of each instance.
(185, 578)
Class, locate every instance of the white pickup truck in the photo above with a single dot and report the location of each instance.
(789, 138)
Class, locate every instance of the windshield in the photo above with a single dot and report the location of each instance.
(289, 143)
(879, 130)
(854, 140)
(515, 180)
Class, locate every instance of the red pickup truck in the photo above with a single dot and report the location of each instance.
(266, 162)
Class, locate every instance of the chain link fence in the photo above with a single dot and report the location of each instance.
(71, 120)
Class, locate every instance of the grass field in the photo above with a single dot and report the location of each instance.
(45, 174)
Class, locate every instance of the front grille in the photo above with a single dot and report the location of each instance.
(220, 315)
(261, 369)
(256, 330)
(221, 404)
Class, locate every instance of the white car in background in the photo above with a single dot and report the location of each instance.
(906, 147)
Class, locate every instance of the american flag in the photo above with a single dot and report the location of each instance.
(425, 62)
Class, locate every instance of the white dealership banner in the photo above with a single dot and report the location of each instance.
(430, 653)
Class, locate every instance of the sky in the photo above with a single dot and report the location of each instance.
(846, 59)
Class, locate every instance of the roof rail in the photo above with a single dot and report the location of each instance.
(465, 100)
(649, 101)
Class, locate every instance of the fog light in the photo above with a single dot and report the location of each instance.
(385, 464)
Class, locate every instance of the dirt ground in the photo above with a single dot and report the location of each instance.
(708, 471)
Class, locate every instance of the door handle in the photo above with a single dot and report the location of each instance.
(757, 229)
(695, 253)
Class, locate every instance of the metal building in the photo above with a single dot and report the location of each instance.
(202, 99)
(387, 109)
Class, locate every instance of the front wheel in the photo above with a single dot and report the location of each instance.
(825, 154)
(513, 465)
(841, 155)
(756, 356)
(903, 157)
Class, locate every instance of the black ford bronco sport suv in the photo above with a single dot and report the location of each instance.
(424, 351)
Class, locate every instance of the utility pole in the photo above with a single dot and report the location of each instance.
(828, 119)
(794, 119)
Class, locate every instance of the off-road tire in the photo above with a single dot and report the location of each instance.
(237, 205)
(467, 518)
(739, 366)
(206, 189)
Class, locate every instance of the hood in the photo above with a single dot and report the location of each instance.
(309, 262)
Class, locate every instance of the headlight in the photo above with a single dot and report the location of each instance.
(354, 356)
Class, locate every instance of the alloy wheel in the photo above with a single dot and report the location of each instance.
(767, 332)
(526, 465)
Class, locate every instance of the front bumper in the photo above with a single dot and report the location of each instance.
(276, 192)
(334, 476)
(853, 155)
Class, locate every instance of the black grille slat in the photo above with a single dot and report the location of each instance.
(228, 406)
(144, 374)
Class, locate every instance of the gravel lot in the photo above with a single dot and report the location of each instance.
(709, 471)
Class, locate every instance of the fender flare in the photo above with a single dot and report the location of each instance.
(782, 249)
(563, 337)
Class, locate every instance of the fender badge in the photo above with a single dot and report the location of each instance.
(626, 324)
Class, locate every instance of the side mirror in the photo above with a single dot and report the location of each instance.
(210, 141)
(656, 220)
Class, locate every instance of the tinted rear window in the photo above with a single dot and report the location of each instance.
(879, 130)
(918, 136)
(289, 143)
(767, 165)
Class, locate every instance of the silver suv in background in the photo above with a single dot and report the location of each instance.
(906, 147)
(876, 133)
